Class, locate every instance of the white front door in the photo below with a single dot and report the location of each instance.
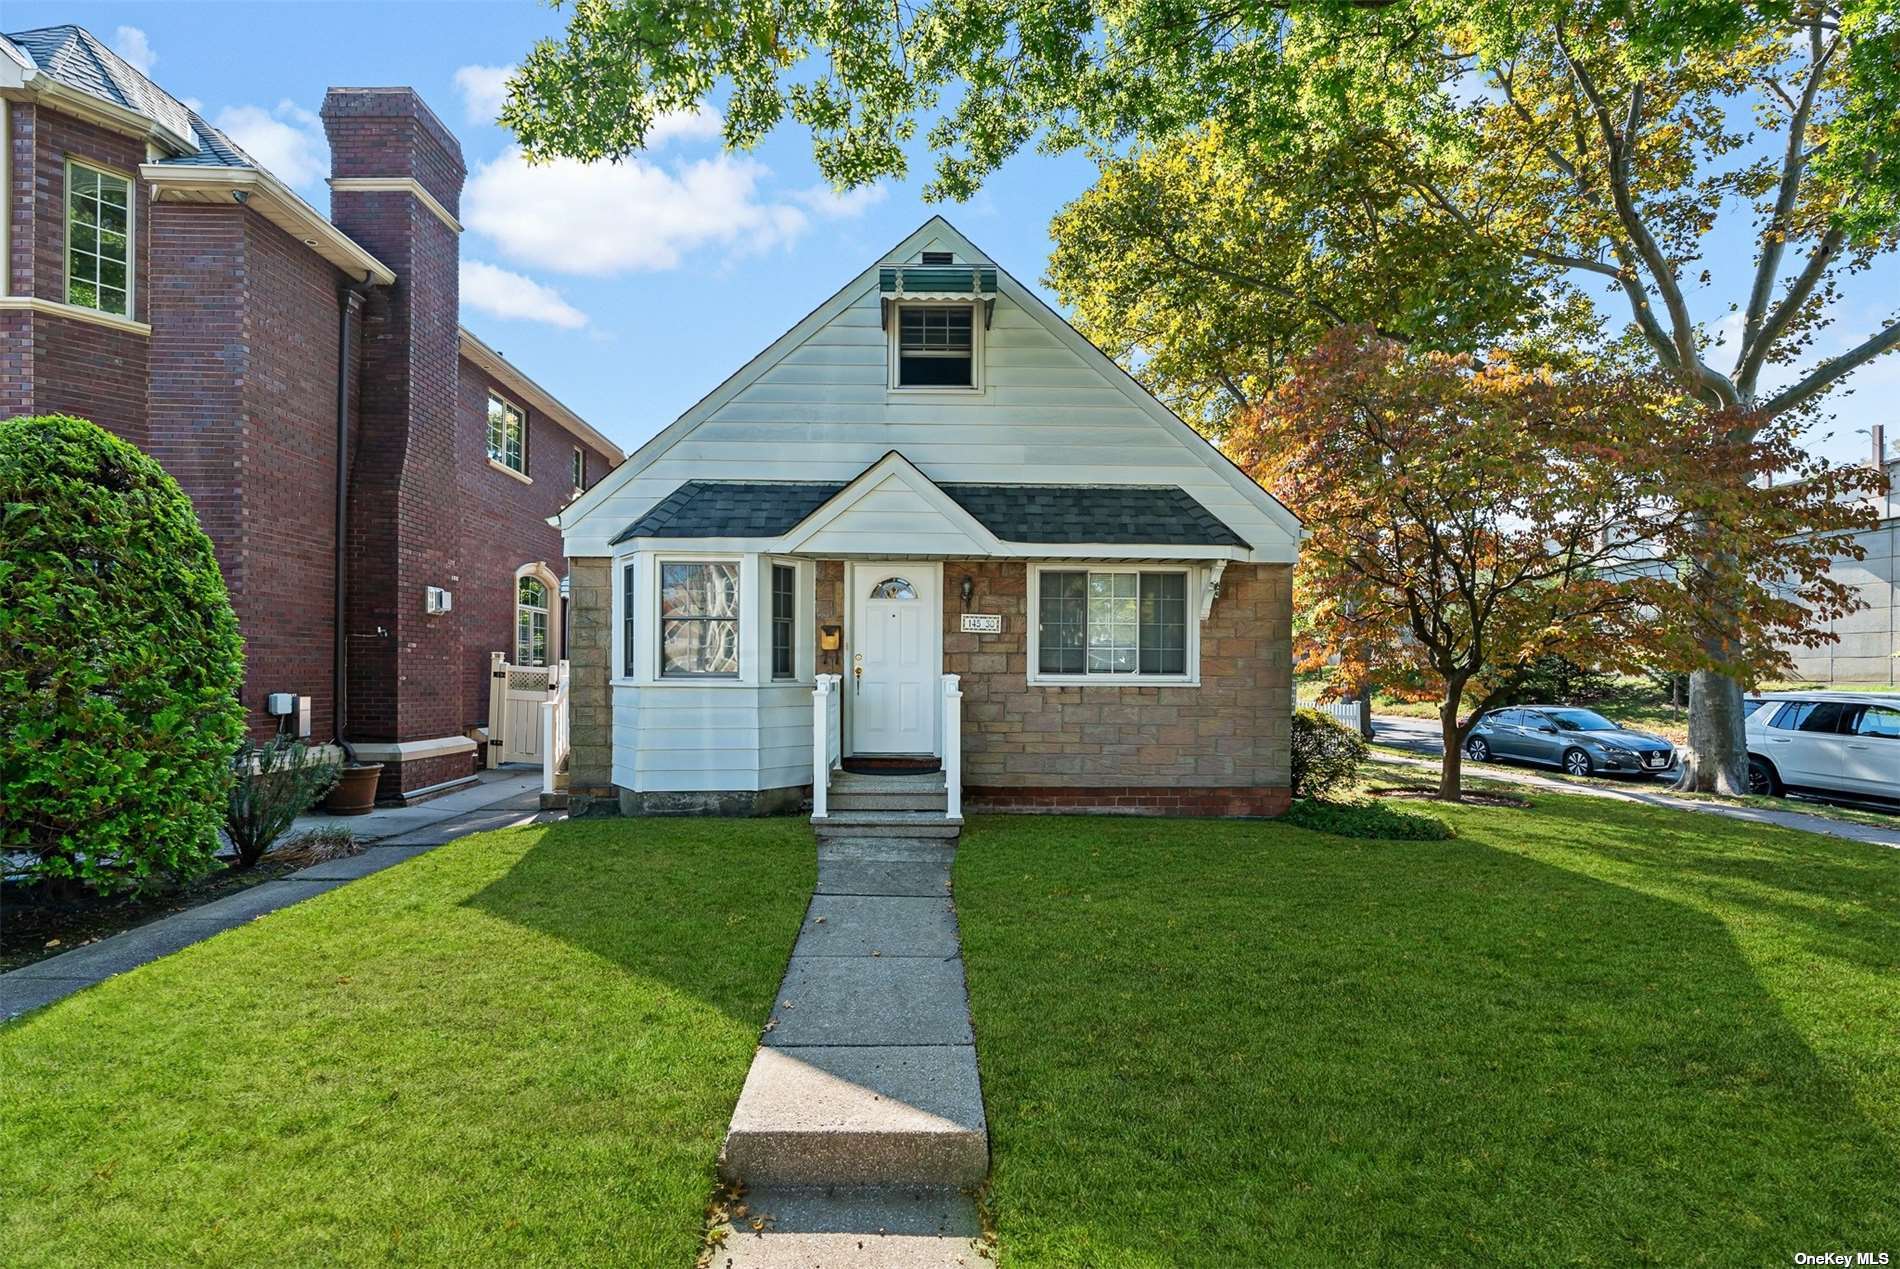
(893, 676)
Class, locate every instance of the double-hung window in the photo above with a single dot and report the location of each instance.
(784, 620)
(936, 346)
(1112, 624)
(98, 240)
(699, 619)
(507, 435)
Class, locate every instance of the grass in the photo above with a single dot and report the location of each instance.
(1583, 1033)
(523, 1047)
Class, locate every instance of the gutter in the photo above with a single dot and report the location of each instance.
(349, 309)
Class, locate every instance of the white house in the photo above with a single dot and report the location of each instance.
(931, 524)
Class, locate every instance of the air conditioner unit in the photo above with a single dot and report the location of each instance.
(439, 601)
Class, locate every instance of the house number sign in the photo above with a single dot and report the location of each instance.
(982, 623)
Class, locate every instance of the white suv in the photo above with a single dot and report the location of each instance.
(1828, 742)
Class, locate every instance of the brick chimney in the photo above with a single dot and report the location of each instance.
(396, 188)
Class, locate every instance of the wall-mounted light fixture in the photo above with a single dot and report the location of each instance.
(968, 589)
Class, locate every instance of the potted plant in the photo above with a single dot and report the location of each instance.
(355, 789)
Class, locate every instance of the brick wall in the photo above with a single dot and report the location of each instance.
(405, 678)
(1220, 748)
(504, 526)
(59, 364)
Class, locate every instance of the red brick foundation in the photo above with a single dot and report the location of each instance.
(1129, 800)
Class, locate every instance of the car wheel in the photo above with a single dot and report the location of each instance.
(1762, 780)
(1478, 749)
(1576, 762)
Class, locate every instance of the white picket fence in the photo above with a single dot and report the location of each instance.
(1353, 714)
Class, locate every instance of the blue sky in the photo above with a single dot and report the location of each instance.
(631, 291)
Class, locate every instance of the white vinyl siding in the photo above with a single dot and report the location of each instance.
(825, 412)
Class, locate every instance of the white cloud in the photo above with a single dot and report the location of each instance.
(288, 140)
(131, 43)
(614, 217)
(827, 201)
(515, 297)
(702, 124)
(483, 90)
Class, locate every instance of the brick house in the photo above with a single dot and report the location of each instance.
(931, 526)
(349, 446)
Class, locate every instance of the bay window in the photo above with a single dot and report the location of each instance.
(1112, 623)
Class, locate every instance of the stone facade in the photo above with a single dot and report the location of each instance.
(590, 643)
(1221, 748)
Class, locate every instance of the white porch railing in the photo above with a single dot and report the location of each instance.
(952, 747)
(554, 729)
(827, 739)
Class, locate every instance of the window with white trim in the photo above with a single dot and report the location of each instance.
(580, 468)
(699, 618)
(784, 621)
(1112, 623)
(98, 240)
(531, 621)
(936, 346)
(507, 435)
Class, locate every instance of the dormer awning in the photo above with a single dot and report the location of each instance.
(945, 283)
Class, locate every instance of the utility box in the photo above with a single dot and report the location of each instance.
(292, 706)
(438, 601)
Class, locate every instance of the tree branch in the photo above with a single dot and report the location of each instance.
(1798, 292)
(1775, 236)
(1832, 370)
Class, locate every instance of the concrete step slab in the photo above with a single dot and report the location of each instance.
(855, 782)
(904, 1227)
(870, 1000)
(920, 877)
(856, 1115)
(925, 850)
(878, 925)
(879, 800)
(885, 824)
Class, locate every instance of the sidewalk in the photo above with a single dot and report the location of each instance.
(1846, 830)
(502, 799)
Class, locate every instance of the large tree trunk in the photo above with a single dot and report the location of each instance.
(1451, 770)
(1717, 757)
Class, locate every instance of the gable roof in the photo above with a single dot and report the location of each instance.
(942, 232)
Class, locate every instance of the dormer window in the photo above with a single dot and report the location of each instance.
(936, 346)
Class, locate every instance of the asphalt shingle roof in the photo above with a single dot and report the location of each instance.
(730, 509)
(78, 59)
(1126, 515)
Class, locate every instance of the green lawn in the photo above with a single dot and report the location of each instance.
(523, 1047)
(1585, 1033)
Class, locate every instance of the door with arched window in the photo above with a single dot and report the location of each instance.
(893, 683)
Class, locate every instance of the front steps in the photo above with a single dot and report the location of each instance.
(903, 807)
(861, 1126)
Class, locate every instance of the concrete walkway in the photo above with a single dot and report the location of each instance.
(860, 1127)
(1420, 736)
(503, 798)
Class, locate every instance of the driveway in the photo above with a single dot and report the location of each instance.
(1420, 737)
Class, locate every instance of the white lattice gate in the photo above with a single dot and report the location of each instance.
(515, 696)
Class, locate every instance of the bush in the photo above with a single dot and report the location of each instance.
(271, 786)
(1326, 754)
(120, 662)
(1367, 819)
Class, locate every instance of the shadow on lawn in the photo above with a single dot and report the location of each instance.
(656, 900)
(1843, 896)
(1246, 1045)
